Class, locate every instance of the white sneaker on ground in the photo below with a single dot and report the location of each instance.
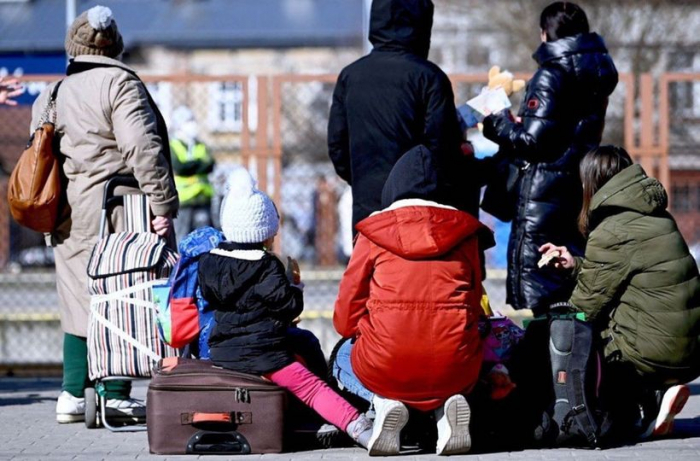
(672, 403)
(127, 408)
(453, 426)
(391, 417)
(70, 409)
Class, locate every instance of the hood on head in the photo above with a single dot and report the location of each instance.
(401, 25)
(414, 175)
(422, 231)
(631, 189)
(585, 57)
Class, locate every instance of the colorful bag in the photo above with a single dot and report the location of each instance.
(501, 336)
(187, 313)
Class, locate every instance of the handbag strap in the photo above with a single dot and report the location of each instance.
(49, 114)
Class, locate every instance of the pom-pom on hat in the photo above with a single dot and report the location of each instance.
(247, 215)
(95, 33)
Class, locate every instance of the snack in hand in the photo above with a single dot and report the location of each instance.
(548, 257)
(293, 271)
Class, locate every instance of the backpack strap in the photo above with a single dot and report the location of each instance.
(580, 412)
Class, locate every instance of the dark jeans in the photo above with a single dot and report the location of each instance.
(624, 393)
(305, 344)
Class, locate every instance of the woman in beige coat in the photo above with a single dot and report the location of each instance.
(107, 128)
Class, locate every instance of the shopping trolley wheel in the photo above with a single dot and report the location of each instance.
(90, 408)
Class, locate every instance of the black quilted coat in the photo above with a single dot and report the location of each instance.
(254, 306)
(563, 116)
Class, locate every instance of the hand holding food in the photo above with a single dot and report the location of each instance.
(556, 256)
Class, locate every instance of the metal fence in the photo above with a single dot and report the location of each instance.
(276, 126)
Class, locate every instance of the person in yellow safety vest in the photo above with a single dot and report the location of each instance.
(192, 164)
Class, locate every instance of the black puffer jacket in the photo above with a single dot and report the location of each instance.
(389, 101)
(563, 116)
(254, 305)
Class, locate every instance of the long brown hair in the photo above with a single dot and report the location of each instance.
(596, 169)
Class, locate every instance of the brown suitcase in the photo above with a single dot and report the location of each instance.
(195, 407)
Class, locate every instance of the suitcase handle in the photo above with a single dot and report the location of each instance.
(204, 442)
(211, 418)
(233, 417)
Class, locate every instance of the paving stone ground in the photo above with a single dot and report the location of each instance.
(28, 432)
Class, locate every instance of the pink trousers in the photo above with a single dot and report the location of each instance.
(308, 388)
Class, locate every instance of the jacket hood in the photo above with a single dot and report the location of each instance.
(402, 25)
(583, 56)
(414, 175)
(422, 230)
(631, 189)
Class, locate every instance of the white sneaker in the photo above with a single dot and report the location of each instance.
(391, 417)
(672, 403)
(70, 409)
(128, 408)
(453, 426)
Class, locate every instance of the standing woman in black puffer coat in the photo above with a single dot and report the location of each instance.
(561, 119)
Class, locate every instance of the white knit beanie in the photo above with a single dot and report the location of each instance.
(247, 215)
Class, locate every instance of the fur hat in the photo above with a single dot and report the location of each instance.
(94, 32)
(247, 214)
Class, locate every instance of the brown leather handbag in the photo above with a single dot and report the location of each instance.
(35, 191)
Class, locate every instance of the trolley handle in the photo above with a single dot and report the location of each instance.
(114, 182)
(109, 199)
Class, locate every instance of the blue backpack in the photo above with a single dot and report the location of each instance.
(186, 313)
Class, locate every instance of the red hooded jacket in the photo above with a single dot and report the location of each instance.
(411, 296)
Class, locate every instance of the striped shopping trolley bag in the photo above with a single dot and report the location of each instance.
(124, 267)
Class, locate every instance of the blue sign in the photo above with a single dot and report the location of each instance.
(23, 65)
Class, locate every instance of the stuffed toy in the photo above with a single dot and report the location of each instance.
(505, 80)
(493, 98)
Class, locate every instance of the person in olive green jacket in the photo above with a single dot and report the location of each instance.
(638, 283)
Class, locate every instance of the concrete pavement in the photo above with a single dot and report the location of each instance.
(28, 432)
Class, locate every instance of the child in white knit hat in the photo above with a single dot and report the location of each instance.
(256, 302)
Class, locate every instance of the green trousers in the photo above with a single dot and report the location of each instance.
(75, 371)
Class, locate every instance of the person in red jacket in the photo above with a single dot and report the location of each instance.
(409, 301)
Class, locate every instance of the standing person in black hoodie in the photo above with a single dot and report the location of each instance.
(562, 118)
(391, 100)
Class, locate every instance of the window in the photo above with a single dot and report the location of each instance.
(682, 201)
(683, 93)
(681, 60)
(226, 106)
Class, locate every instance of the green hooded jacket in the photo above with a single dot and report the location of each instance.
(639, 280)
